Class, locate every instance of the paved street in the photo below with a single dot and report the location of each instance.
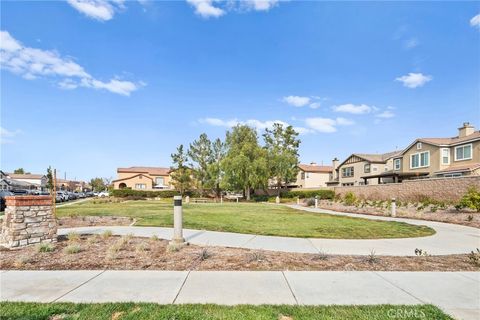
(457, 293)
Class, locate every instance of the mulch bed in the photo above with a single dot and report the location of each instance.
(130, 253)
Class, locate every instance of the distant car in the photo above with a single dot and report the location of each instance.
(3, 194)
(63, 195)
(89, 194)
(103, 194)
(20, 192)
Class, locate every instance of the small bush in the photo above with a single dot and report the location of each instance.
(310, 202)
(124, 193)
(92, 239)
(372, 257)
(204, 254)
(73, 236)
(154, 237)
(72, 249)
(142, 247)
(303, 194)
(255, 257)
(471, 200)
(45, 247)
(261, 198)
(349, 199)
(470, 218)
(107, 234)
(474, 257)
(322, 255)
(421, 252)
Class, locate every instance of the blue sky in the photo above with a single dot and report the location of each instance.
(91, 87)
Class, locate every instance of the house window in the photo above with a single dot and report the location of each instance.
(303, 175)
(419, 146)
(140, 186)
(375, 168)
(420, 160)
(159, 181)
(347, 172)
(366, 168)
(397, 164)
(463, 152)
(349, 184)
(452, 175)
(308, 175)
(445, 156)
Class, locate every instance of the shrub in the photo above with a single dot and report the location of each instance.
(133, 198)
(470, 218)
(124, 193)
(154, 237)
(72, 249)
(421, 252)
(106, 234)
(349, 199)
(372, 257)
(45, 247)
(73, 236)
(302, 194)
(310, 202)
(204, 254)
(474, 257)
(471, 199)
(322, 255)
(255, 257)
(261, 198)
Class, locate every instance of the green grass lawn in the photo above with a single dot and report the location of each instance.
(252, 218)
(131, 311)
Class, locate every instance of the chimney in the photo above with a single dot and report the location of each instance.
(335, 163)
(466, 130)
(313, 163)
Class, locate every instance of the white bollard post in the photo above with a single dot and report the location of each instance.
(277, 200)
(316, 202)
(177, 221)
(221, 198)
(237, 199)
(187, 199)
(298, 201)
(394, 207)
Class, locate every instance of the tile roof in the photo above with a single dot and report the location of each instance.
(25, 176)
(462, 168)
(315, 168)
(150, 170)
(378, 157)
(451, 141)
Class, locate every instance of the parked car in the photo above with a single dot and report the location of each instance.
(103, 194)
(3, 194)
(59, 197)
(63, 194)
(20, 192)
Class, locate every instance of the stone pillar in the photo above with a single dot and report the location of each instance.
(177, 221)
(28, 220)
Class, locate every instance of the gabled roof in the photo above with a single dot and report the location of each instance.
(131, 177)
(25, 176)
(156, 171)
(446, 142)
(462, 168)
(315, 168)
(374, 157)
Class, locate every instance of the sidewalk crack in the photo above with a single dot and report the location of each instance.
(290, 287)
(396, 286)
(81, 284)
(181, 287)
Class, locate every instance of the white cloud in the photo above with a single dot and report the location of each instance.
(475, 21)
(414, 80)
(315, 105)
(32, 63)
(102, 10)
(7, 135)
(261, 5)
(254, 123)
(296, 101)
(411, 43)
(206, 9)
(326, 125)
(385, 114)
(354, 109)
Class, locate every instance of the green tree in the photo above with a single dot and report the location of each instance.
(98, 184)
(181, 174)
(282, 146)
(214, 169)
(49, 184)
(200, 152)
(245, 163)
(19, 171)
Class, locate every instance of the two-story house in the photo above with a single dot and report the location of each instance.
(362, 169)
(442, 157)
(313, 176)
(143, 178)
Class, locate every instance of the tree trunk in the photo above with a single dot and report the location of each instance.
(247, 191)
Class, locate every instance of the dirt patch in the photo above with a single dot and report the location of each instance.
(129, 253)
(450, 215)
(87, 221)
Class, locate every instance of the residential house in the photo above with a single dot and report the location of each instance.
(442, 157)
(72, 185)
(143, 178)
(26, 181)
(313, 176)
(361, 168)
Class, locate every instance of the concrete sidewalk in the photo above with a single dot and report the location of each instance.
(448, 239)
(457, 293)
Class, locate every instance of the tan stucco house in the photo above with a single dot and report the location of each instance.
(442, 157)
(313, 176)
(143, 178)
(363, 169)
